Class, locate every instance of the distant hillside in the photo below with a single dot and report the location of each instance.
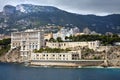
(26, 16)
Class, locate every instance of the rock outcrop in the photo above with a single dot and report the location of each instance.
(12, 56)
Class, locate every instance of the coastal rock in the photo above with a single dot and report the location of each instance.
(12, 56)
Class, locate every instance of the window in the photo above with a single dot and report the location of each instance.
(24, 47)
(37, 55)
(59, 45)
(53, 44)
(33, 47)
(36, 46)
(75, 56)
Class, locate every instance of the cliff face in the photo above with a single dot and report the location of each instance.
(12, 56)
(114, 56)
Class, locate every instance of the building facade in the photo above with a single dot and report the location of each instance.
(72, 55)
(27, 41)
(63, 45)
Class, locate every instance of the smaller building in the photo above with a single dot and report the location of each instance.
(69, 59)
(48, 36)
(65, 32)
(72, 55)
(87, 31)
(63, 45)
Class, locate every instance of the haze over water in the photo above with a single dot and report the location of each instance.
(20, 72)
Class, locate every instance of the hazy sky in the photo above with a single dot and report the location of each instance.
(98, 7)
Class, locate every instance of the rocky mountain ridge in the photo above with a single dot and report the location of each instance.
(28, 16)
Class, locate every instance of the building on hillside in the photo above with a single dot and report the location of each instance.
(27, 41)
(79, 34)
(48, 36)
(65, 32)
(86, 31)
(76, 30)
(63, 45)
(2, 36)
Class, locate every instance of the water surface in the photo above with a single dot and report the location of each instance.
(19, 72)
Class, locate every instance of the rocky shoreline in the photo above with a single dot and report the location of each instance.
(113, 58)
(12, 57)
(18, 61)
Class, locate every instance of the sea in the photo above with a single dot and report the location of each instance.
(10, 71)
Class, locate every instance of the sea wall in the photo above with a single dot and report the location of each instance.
(68, 63)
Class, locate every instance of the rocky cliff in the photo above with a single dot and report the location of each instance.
(11, 56)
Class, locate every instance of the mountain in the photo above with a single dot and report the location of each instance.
(8, 9)
(29, 8)
(25, 16)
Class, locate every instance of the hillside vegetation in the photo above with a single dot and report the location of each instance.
(4, 46)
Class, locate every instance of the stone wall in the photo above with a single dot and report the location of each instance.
(68, 63)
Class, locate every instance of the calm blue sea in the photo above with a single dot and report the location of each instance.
(19, 72)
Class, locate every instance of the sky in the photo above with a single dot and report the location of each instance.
(96, 7)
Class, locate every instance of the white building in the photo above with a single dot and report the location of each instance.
(63, 45)
(87, 31)
(72, 55)
(65, 32)
(27, 41)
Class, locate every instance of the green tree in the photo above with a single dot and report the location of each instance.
(59, 39)
(52, 40)
(5, 46)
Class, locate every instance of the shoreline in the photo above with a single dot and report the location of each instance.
(77, 67)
